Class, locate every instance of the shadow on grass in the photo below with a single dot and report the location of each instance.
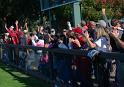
(28, 81)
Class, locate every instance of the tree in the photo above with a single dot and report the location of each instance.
(91, 9)
(20, 8)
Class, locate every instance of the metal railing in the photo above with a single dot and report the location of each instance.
(71, 68)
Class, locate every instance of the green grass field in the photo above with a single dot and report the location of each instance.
(10, 77)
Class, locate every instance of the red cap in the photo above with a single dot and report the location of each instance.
(77, 30)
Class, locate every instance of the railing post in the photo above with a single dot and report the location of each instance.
(13, 57)
(1, 51)
(51, 67)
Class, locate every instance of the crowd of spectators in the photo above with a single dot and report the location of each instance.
(101, 36)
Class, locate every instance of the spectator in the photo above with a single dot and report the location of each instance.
(13, 35)
(102, 40)
(65, 37)
(119, 42)
(102, 43)
(7, 39)
(91, 29)
(52, 32)
(114, 26)
(40, 32)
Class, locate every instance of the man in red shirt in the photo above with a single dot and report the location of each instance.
(13, 35)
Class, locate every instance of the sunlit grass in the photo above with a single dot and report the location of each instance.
(10, 77)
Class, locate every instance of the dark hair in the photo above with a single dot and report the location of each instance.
(114, 22)
(31, 34)
(73, 37)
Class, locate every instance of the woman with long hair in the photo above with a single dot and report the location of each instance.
(102, 42)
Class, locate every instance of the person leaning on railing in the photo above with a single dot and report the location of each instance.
(115, 34)
(115, 38)
(100, 44)
(119, 41)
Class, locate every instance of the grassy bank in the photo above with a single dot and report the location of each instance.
(10, 77)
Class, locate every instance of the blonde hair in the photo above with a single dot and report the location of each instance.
(101, 32)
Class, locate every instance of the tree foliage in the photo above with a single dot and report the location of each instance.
(30, 9)
(91, 9)
(20, 9)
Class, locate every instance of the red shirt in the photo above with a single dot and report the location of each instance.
(13, 36)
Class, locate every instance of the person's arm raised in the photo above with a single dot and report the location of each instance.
(103, 11)
(108, 24)
(7, 28)
(119, 42)
(88, 40)
(16, 23)
(26, 26)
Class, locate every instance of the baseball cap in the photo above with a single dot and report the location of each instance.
(101, 23)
